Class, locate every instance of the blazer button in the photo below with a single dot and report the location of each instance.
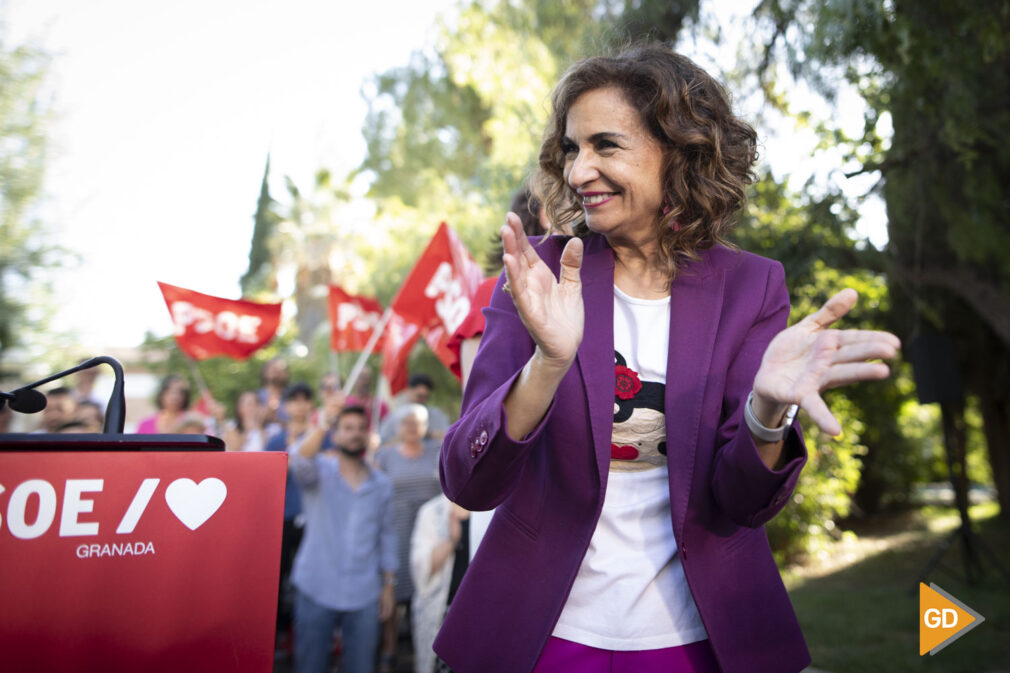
(482, 440)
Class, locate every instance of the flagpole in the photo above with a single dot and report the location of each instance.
(376, 404)
(352, 378)
(205, 393)
(335, 365)
(197, 376)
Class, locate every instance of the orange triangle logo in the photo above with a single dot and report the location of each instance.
(942, 619)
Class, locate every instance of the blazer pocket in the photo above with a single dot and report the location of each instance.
(525, 506)
(516, 521)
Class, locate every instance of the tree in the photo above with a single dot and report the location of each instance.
(814, 238)
(261, 276)
(23, 251)
(301, 246)
(940, 74)
(654, 19)
(455, 133)
(315, 245)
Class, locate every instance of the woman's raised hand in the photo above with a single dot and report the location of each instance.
(808, 358)
(550, 308)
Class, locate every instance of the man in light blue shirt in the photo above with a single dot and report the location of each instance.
(347, 561)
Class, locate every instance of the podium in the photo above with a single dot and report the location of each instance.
(138, 553)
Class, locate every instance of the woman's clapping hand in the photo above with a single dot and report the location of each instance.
(550, 308)
(810, 357)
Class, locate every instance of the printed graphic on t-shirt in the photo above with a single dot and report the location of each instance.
(639, 437)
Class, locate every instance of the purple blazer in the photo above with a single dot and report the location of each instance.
(549, 487)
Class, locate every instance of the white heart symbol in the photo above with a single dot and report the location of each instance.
(194, 503)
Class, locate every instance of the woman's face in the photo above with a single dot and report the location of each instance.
(174, 397)
(412, 428)
(614, 164)
(249, 406)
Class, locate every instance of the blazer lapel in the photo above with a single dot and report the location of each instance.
(696, 298)
(596, 352)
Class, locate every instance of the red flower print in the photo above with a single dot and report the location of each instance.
(628, 383)
(625, 452)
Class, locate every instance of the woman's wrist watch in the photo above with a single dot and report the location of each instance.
(761, 431)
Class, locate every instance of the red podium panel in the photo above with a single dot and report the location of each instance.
(136, 561)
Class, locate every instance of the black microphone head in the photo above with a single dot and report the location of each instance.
(27, 401)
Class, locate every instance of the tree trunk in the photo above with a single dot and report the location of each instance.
(996, 419)
(989, 379)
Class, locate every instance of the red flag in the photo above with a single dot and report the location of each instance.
(352, 320)
(437, 294)
(400, 336)
(206, 326)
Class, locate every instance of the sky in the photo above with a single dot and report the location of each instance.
(165, 114)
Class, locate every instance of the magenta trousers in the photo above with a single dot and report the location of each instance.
(564, 656)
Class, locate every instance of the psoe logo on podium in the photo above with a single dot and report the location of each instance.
(942, 619)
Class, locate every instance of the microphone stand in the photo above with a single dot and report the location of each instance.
(115, 412)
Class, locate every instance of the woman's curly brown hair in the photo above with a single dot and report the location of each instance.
(708, 151)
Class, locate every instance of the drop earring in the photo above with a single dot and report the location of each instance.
(675, 225)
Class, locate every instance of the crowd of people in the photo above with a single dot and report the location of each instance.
(609, 440)
(353, 492)
(350, 512)
(372, 552)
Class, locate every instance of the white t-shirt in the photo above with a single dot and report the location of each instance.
(631, 593)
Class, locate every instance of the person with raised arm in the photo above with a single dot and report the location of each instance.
(346, 566)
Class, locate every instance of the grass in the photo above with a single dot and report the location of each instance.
(859, 607)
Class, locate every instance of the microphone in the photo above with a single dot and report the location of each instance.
(115, 412)
(24, 400)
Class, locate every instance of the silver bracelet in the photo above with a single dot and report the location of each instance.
(762, 432)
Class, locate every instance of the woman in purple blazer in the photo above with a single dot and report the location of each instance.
(630, 408)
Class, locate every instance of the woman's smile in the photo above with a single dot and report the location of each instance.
(595, 199)
(614, 164)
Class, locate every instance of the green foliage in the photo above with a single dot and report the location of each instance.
(655, 19)
(444, 141)
(24, 250)
(940, 72)
(827, 484)
(261, 276)
(979, 469)
(454, 134)
(874, 460)
(311, 242)
(420, 127)
(823, 493)
(801, 231)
